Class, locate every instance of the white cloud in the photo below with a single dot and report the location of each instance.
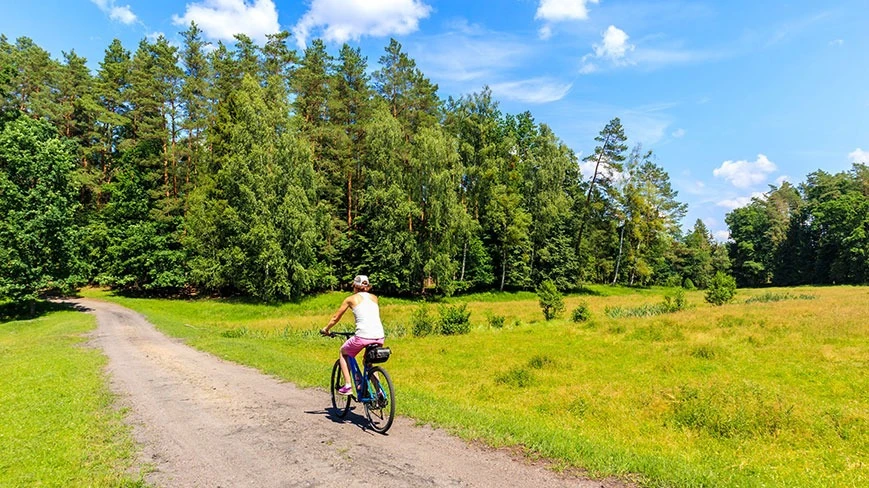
(559, 10)
(721, 235)
(678, 133)
(669, 55)
(535, 90)
(468, 57)
(222, 19)
(586, 169)
(858, 156)
(614, 48)
(343, 20)
(743, 174)
(587, 67)
(837, 42)
(647, 124)
(123, 14)
(737, 202)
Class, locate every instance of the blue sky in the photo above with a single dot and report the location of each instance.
(731, 96)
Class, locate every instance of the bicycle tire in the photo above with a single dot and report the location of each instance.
(340, 403)
(380, 410)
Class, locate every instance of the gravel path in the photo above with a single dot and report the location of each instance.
(205, 422)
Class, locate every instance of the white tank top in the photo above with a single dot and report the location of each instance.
(367, 313)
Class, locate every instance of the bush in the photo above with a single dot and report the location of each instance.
(721, 289)
(676, 302)
(689, 285)
(455, 319)
(497, 321)
(581, 313)
(423, 324)
(551, 301)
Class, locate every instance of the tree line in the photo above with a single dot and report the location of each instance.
(814, 233)
(258, 170)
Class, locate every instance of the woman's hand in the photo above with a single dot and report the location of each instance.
(324, 331)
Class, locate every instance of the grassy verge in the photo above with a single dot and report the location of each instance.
(57, 424)
(765, 393)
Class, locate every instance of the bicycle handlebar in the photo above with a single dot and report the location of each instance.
(344, 334)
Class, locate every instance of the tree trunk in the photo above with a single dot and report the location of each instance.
(464, 258)
(165, 169)
(503, 266)
(619, 259)
(349, 199)
(588, 200)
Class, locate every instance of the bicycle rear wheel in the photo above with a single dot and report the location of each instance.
(380, 409)
(341, 403)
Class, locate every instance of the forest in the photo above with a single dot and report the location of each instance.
(259, 171)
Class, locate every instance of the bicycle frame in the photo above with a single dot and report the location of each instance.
(360, 379)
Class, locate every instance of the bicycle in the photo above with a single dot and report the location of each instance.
(375, 392)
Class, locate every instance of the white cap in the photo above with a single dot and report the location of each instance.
(360, 280)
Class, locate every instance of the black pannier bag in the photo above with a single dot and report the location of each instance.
(377, 354)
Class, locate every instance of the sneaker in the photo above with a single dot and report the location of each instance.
(345, 390)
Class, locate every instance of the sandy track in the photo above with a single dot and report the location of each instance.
(206, 422)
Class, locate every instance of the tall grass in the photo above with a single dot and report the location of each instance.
(767, 393)
(57, 423)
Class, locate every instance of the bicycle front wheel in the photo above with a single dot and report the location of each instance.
(341, 403)
(380, 407)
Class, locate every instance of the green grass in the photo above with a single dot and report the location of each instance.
(766, 393)
(57, 423)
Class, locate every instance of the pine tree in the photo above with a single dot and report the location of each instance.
(112, 124)
(411, 97)
(607, 158)
(351, 106)
(194, 100)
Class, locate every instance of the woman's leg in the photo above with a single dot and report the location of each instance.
(345, 370)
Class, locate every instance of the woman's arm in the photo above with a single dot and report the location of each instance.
(335, 318)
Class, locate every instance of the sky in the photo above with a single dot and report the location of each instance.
(731, 96)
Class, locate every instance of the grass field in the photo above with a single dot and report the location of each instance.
(766, 393)
(57, 423)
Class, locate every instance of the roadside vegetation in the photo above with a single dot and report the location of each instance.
(58, 425)
(765, 392)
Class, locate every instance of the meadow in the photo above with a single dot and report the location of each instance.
(58, 423)
(766, 391)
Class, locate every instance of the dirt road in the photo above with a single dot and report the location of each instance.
(205, 422)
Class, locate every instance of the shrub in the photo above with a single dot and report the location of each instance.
(581, 313)
(721, 289)
(496, 321)
(551, 301)
(676, 302)
(455, 319)
(423, 324)
(689, 285)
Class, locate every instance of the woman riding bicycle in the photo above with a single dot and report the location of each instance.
(369, 328)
